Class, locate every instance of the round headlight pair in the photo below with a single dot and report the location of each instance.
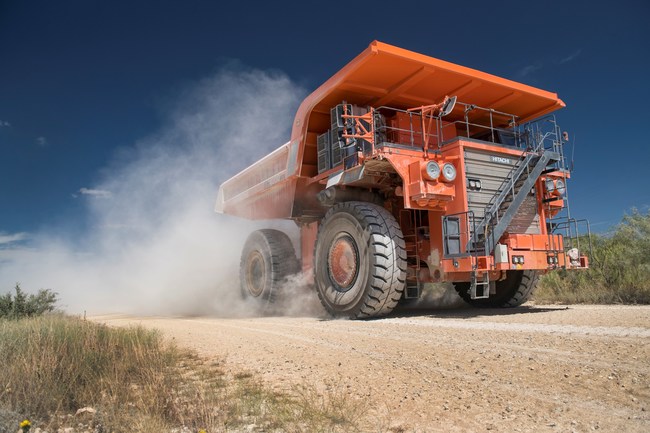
(433, 171)
(556, 187)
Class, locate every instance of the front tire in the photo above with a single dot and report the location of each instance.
(511, 292)
(359, 261)
(267, 260)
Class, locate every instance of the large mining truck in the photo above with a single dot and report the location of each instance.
(403, 170)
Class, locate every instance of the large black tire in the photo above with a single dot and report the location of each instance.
(513, 291)
(267, 260)
(359, 261)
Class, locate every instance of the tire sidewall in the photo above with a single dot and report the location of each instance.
(256, 244)
(340, 302)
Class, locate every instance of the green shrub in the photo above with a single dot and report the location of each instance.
(22, 305)
(619, 269)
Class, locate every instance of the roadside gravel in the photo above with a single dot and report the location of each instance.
(530, 369)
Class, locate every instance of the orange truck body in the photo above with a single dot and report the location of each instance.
(286, 183)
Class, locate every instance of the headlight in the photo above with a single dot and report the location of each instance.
(432, 170)
(449, 172)
(550, 186)
(560, 186)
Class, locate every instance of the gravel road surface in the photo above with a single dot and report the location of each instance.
(530, 369)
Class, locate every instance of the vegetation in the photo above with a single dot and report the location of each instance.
(22, 305)
(55, 365)
(619, 269)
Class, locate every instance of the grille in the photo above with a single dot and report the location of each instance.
(492, 169)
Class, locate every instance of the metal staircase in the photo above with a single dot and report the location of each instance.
(506, 202)
(411, 224)
(499, 213)
(480, 288)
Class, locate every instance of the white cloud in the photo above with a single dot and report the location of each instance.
(4, 124)
(9, 238)
(98, 193)
(571, 56)
(529, 69)
(41, 141)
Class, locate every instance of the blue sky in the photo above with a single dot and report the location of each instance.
(80, 81)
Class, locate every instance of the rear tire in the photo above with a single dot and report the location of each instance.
(511, 292)
(267, 260)
(359, 261)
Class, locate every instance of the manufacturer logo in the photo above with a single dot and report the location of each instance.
(500, 159)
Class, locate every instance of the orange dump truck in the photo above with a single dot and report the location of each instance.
(403, 170)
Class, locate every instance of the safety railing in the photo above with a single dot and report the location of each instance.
(428, 132)
(427, 129)
(575, 232)
(487, 124)
(407, 128)
(545, 134)
(456, 230)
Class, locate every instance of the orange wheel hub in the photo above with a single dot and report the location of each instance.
(343, 260)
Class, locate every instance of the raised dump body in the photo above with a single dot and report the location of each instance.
(403, 169)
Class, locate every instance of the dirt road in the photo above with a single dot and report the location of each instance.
(532, 369)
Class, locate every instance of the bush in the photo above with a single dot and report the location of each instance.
(22, 305)
(619, 269)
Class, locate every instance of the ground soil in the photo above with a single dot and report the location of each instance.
(529, 369)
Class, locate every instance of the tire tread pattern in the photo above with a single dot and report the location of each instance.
(278, 249)
(387, 276)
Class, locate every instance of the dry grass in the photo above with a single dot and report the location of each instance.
(330, 410)
(560, 287)
(585, 287)
(54, 365)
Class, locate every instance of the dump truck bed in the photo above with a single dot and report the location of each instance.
(382, 75)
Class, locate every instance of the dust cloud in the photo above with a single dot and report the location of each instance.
(154, 244)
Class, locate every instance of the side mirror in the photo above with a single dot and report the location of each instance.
(448, 106)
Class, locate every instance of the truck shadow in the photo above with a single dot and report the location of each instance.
(466, 312)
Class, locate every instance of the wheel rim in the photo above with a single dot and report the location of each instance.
(343, 261)
(255, 273)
